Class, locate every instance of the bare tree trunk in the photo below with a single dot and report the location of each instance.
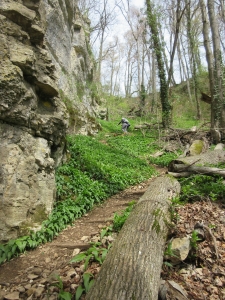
(179, 15)
(180, 63)
(218, 123)
(166, 106)
(180, 57)
(187, 71)
(154, 91)
(192, 50)
(209, 55)
(133, 265)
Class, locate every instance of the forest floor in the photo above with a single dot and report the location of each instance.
(33, 275)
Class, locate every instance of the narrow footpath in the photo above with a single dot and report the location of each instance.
(30, 275)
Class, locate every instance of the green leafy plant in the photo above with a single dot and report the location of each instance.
(106, 231)
(94, 253)
(175, 202)
(194, 240)
(169, 251)
(119, 219)
(202, 187)
(85, 287)
(164, 159)
(63, 295)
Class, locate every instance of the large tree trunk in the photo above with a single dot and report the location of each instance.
(218, 123)
(179, 15)
(133, 265)
(209, 55)
(193, 49)
(153, 25)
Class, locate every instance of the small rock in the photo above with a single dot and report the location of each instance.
(100, 226)
(197, 273)
(28, 286)
(44, 279)
(219, 146)
(71, 272)
(110, 238)
(197, 147)
(95, 239)
(222, 219)
(32, 276)
(82, 268)
(53, 297)
(103, 241)
(77, 269)
(2, 294)
(84, 238)
(37, 271)
(53, 277)
(77, 278)
(21, 289)
(73, 286)
(39, 291)
(30, 292)
(76, 251)
(185, 272)
(12, 296)
(218, 282)
(180, 247)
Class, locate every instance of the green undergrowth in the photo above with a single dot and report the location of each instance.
(138, 143)
(165, 159)
(202, 187)
(119, 219)
(94, 172)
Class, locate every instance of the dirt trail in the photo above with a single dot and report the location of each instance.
(29, 275)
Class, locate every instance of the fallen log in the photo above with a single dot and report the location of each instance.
(133, 265)
(196, 164)
(180, 175)
(198, 170)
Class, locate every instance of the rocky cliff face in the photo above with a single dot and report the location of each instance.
(45, 77)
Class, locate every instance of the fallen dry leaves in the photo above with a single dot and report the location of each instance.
(202, 275)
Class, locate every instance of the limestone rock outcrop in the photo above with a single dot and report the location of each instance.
(46, 77)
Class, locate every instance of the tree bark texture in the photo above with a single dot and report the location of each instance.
(218, 123)
(196, 170)
(153, 25)
(193, 56)
(184, 167)
(132, 267)
(209, 55)
(209, 157)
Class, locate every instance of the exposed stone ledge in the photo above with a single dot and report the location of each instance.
(43, 50)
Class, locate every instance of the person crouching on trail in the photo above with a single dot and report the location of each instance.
(125, 124)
